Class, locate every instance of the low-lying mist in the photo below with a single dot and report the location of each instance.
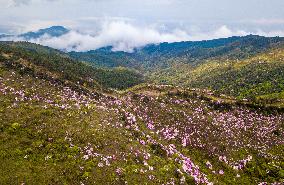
(124, 36)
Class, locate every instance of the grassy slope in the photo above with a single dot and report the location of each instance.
(51, 134)
(259, 77)
(55, 131)
(54, 64)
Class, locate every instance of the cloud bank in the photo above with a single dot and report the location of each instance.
(120, 35)
(124, 36)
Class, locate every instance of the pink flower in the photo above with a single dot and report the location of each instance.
(100, 165)
(150, 126)
(118, 171)
(209, 165)
(184, 142)
(142, 142)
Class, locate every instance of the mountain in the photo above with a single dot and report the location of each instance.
(54, 31)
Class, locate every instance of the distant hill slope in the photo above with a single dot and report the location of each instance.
(256, 77)
(244, 67)
(51, 63)
(54, 31)
(161, 55)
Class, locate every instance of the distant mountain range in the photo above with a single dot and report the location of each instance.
(162, 55)
(191, 50)
(54, 31)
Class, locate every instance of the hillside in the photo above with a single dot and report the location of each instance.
(46, 62)
(55, 130)
(161, 55)
(257, 77)
(141, 136)
(249, 67)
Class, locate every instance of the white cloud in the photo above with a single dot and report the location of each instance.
(222, 32)
(125, 36)
(121, 35)
(279, 33)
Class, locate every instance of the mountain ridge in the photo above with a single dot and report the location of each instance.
(53, 31)
(153, 55)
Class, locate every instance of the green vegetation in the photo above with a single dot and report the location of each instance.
(60, 123)
(249, 67)
(259, 78)
(49, 63)
(161, 56)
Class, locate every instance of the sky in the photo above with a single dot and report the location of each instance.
(126, 24)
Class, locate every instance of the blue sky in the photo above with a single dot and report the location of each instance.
(156, 20)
